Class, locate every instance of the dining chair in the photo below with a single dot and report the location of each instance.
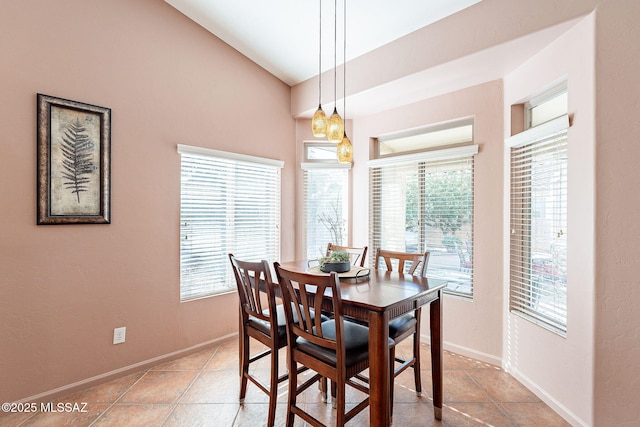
(336, 349)
(262, 319)
(407, 325)
(356, 255)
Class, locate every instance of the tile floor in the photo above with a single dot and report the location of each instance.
(202, 390)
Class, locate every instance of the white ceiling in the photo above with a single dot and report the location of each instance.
(282, 36)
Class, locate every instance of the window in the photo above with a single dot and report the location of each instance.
(326, 199)
(538, 241)
(443, 135)
(424, 201)
(229, 203)
(548, 106)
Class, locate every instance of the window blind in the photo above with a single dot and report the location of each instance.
(326, 197)
(228, 204)
(427, 204)
(538, 241)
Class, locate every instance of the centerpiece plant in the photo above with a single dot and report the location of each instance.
(337, 261)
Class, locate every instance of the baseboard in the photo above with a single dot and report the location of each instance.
(50, 395)
(473, 354)
(562, 410)
(465, 351)
(554, 404)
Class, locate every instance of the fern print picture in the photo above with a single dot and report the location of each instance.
(75, 155)
(77, 149)
(74, 162)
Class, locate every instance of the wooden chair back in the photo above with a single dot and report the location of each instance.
(303, 295)
(255, 290)
(356, 255)
(419, 261)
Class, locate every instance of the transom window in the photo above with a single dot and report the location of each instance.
(422, 139)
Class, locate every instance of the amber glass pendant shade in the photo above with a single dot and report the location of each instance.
(345, 150)
(319, 123)
(335, 127)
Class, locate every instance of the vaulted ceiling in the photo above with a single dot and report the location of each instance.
(282, 36)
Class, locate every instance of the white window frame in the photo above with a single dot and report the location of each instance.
(229, 203)
(424, 159)
(536, 294)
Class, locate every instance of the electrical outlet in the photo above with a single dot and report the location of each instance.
(119, 335)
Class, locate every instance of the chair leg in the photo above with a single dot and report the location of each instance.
(244, 365)
(341, 404)
(416, 354)
(293, 392)
(416, 368)
(392, 361)
(322, 385)
(273, 388)
(334, 390)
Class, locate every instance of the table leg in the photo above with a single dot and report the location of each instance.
(435, 325)
(379, 375)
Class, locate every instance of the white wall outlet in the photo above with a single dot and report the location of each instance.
(119, 335)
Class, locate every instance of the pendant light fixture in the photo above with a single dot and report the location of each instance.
(344, 148)
(319, 121)
(335, 125)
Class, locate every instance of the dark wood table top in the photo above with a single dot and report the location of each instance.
(381, 290)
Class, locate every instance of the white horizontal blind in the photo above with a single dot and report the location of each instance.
(227, 205)
(326, 197)
(447, 222)
(427, 205)
(538, 248)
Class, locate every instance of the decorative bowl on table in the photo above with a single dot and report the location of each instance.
(338, 267)
(337, 261)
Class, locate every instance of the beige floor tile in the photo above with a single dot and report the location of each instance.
(203, 414)
(202, 389)
(108, 392)
(534, 415)
(458, 386)
(74, 416)
(134, 415)
(194, 361)
(159, 387)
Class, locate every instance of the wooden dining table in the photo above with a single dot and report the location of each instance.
(375, 299)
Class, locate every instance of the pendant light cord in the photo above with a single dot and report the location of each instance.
(344, 68)
(335, 53)
(320, 58)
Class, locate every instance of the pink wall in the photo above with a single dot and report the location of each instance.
(63, 289)
(617, 314)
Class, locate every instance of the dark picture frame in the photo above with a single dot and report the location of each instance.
(74, 162)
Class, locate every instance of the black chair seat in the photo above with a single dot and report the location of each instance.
(401, 325)
(356, 343)
(264, 326)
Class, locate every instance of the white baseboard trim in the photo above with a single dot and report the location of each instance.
(465, 351)
(107, 376)
(562, 410)
(473, 354)
(554, 404)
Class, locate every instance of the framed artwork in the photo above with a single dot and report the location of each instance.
(74, 165)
